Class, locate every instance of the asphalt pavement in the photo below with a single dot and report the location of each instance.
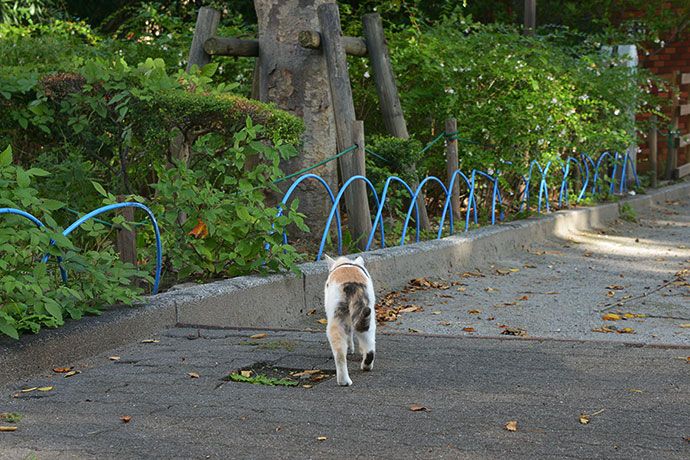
(512, 359)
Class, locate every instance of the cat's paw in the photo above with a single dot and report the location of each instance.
(344, 382)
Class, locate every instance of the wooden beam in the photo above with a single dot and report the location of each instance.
(353, 46)
(219, 46)
(682, 141)
(387, 91)
(359, 216)
(126, 240)
(451, 167)
(530, 17)
(684, 110)
(682, 171)
(206, 27)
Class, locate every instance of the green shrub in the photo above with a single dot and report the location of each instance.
(32, 293)
(215, 221)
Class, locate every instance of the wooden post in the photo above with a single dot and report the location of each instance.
(452, 166)
(206, 27)
(359, 217)
(387, 90)
(530, 17)
(653, 150)
(671, 156)
(126, 240)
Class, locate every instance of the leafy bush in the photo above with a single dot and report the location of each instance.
(528, 98)
(32, 294)
(215, 221)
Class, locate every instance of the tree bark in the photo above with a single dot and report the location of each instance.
(296, 80)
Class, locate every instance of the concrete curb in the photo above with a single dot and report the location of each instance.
(281, 300)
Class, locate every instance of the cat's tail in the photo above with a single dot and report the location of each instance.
(358, 302)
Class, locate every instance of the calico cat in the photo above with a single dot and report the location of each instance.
(349, 301)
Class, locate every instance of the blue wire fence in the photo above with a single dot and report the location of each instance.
(590, 173)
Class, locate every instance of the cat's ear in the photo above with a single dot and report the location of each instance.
(330, 261)
(359, 261)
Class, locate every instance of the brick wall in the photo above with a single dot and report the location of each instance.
(673, 57)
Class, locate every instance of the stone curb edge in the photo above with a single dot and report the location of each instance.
(281, 300)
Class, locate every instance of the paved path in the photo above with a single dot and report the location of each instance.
(562, 287)
(471, 387)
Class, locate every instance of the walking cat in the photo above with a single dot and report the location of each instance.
(349, 301)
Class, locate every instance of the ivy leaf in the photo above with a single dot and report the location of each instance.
(6, 157)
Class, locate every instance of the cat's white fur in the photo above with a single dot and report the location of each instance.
(349, 301)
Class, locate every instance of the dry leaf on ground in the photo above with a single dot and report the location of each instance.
(511, 426)
(321, 438)
(126, 419)
(257, 336)
(419, 408)
(63, 369)
(611, 317)
(194, 375)
(8, 428)
(322, 321)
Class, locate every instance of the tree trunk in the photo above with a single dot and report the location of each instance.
(296, 80)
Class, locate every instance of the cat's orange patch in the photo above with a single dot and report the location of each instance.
(348, 274)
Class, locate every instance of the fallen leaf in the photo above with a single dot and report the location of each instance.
(321, 438)
(468, 329)
(419, 408)
(29, 389)
(257, 336)
(636, 391)
(514, 270)
(490, 289)
(311, 312)
(307, 372)
(461, 289)
(435, 312)
(46, 388)
(246, 373)
(475, 312)
(277, 430)
(628, 315)
(511, 426)
(685, 325)
(524, 297)
(150, 341)
(71, 373)
(552, 292)
(319, 377)
(413, 330)
(604, 329)
(307, 386)
(8, 428)
(661, 259)
(611, 317)
(444, 323)
(502, 272)
(322, 321)
(585, 419)
(63, 369)
(529, 266)
(114, 358)
(410, 309)
(126, 419)
(194, 375)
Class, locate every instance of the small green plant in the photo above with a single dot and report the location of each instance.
(260, 379)
(10, 417)
(627, 213)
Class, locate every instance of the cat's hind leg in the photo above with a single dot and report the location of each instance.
(365, 329)
(339, 338)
